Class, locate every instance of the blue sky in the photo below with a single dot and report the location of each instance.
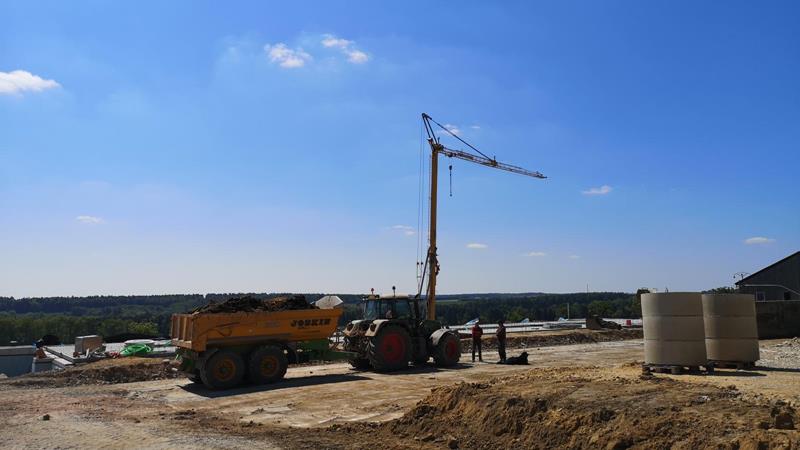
(177, 147)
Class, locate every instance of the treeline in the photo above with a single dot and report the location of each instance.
(457, 309)
(27, 319)
(28, 328)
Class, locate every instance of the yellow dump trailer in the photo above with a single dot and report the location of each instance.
(224, 349)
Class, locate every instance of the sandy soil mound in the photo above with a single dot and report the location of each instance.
(109, 371)
(545, 339)
(551, 408)
(253, 304)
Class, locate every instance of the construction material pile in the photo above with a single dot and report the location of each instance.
(249, 303)
(109, 371)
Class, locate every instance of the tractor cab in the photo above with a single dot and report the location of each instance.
(396, 307)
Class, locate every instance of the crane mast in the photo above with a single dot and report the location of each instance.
(431, 267)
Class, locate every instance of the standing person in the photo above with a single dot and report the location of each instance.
(477, 333)
(501, 339)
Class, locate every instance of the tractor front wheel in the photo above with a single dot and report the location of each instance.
(447, 351)
(390, 349)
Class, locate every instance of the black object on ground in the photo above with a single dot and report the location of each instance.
(521, 360)
(252, 304)
(595, 322)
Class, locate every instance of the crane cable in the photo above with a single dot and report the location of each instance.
(456, 136)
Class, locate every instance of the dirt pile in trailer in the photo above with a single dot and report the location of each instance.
(107, 371)
(252, 304)
(558, 408)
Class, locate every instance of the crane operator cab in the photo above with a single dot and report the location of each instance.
(393, 332)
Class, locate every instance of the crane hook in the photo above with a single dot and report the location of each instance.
(451, 180)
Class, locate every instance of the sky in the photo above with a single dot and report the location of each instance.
(193, 147)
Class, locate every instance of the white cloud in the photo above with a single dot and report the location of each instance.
(286, 57)
(475, 127)
(330, 40)
(357, 56)
(347, 47)
(475, 245)
(405, 229)
(758, 240)
(90, 220)
(536, 254)
(452, 128)
(574, 257)
(602, 190)
(18, 81)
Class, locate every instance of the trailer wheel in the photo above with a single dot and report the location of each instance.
(390, 349)
(267, 365)
(447, 351)
(224, 370)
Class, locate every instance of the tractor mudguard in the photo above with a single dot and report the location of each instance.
(437, 335)
(375, 327)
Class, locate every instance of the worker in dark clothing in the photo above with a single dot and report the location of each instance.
(477, 333)
(501, 340)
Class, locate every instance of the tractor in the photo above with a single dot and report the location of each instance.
(393, 332)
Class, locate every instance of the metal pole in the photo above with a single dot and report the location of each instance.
(433, 265)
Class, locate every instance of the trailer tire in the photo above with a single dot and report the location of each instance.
(267, 365)
(390, 349)
(448, 350)
(223, 370)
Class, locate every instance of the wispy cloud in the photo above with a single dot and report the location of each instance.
(758, 240)
(90, 220)
(602, 190)
(475, 127)
(347, 47)
(536, 254)
(574, 257)
(452, 128)
(19, 81)
(286, 57)
(405, 229)
(477, 246)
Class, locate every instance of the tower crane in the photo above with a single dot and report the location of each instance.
(431, 265)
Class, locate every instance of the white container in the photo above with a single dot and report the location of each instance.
(673, 329)
(730, 327)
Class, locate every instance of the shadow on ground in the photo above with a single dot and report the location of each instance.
(201, 390)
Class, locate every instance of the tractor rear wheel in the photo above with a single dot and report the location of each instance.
(390, 349)
(447, 351)
(224, 370)
(360, 363)
(267, 365)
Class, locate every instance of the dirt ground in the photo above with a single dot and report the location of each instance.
(589, 395)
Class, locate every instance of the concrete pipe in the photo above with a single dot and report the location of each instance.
(673, 329)
(730, 327)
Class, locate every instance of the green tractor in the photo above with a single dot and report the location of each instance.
(393, 332)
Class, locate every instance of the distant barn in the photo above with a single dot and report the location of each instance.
(778, 281)
(777, 291)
